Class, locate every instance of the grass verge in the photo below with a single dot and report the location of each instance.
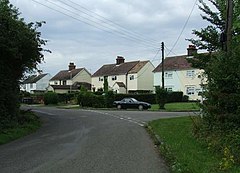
(181, 106)
(29, 123)
(181, 150)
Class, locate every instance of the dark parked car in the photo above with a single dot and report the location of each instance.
(131, 103)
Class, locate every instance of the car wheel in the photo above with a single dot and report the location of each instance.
(119, 107)
(140, 107)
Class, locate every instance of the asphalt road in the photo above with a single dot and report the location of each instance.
(86, 141)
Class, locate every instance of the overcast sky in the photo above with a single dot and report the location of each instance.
(91, 33)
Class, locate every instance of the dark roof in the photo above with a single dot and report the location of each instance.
(66, 74)
(33, 78)
(124, 68)
(174, 63)
(75, 86)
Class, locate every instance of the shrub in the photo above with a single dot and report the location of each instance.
(50, 98)
(150, 98)
(109, 99)
(161, 97)
(98, 101)
(174, 97)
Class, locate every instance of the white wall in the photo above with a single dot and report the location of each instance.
(145, 77)
(180, 82)
(42, 84)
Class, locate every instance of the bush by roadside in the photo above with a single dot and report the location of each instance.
(28, 122)
(50, 98)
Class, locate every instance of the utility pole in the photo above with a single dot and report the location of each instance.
(162, 46)
(229, 23)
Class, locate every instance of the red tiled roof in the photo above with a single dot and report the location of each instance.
(138, 67)
(66, 74)
(124, 68)
(174, 63)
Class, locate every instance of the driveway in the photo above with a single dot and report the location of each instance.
(86, 141)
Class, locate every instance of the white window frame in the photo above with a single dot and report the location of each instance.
(168, 74)
(114, 78)
(31, 85)
(190, 90)
(131, 77)
(190, 73)
(100, 79)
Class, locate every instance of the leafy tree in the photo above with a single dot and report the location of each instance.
(161, 97)
(21, 51)
(105, 85)
(209, 37)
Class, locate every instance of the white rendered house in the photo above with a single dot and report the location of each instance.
(125, 77)
(179, 75)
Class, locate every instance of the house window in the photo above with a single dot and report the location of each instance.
(100, 78)
(190, 73)
(169, 74)
(131, 77)
(31, 85)
(169, 89)
(64, 82)
(55, 82)
(190, 90)
(114, 77)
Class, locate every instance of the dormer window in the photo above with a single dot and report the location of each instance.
(114, 77)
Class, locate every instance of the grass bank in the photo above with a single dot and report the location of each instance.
(28, 123)
(182, 151)
(180, 106)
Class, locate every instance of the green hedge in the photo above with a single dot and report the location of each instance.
(151, 98)
(89, 99)
(50, 98)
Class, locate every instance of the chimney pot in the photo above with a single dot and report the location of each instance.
(191, 50)
(120, 60)
(71, 66)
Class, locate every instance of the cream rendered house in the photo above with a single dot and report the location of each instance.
(125, 77)
(179, 75)
(70, 80)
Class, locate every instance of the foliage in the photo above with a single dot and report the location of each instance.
(161, 97)
(27, 123)
(20, 47)
(50, 98)
(105, 85)
(183, 152)
(109, 99)
(208, 38)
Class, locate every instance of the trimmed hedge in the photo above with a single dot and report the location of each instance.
(151, 98)
(50, 98)
(89, 99)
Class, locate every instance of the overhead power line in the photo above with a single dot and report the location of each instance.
(184, 26)
(92, 22)
(112, 22)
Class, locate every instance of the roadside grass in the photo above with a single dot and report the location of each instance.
(179, 106)
(29, 125)
(182, 151)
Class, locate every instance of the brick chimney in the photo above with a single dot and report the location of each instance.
(71, 66)
(191, 50)
(120, 60)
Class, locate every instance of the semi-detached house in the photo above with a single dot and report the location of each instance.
(125, 77)
(67, 81)
(179, 75)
